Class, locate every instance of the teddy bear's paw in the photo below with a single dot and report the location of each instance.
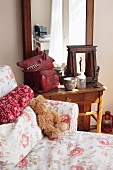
(54, 136)
(52, 132)
(64, 126)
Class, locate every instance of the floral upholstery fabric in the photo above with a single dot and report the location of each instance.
(73, 151)
(67, 111)
(14, 131)
(7, 80)
(18, 138)
(23, 147)
(12, 104)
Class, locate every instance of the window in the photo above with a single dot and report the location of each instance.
(68, 27)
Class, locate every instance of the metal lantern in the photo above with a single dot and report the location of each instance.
(107, 122)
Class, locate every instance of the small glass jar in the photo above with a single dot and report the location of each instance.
(81, 80)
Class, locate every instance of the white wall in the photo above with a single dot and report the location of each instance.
(103, 38)
(11, 47)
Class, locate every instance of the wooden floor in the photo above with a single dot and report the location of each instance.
(94, 130)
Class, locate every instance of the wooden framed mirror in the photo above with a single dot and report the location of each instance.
(27, 41)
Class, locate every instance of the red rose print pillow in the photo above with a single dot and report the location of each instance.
(12, 104)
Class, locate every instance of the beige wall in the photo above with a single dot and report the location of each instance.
(103, 38)
(11, 47)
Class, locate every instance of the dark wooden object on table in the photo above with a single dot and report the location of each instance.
(90, 61)
(84, 98)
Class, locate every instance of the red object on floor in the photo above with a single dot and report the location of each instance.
(107, 122)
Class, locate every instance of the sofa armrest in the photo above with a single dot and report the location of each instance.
(66, 109)
(7, 80)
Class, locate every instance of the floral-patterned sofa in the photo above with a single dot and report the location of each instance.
(23, 146)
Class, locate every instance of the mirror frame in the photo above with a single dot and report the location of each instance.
(26, 19)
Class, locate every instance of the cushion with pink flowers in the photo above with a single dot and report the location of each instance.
(7, 80)
(12, 104)
(18, 138)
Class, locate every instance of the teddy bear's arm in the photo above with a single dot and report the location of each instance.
(56, 117)
(51, 132)
(41, 122)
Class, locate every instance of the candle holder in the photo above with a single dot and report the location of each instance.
(97, 75)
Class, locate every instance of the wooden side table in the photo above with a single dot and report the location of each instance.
(84, 98)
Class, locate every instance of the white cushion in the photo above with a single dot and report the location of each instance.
(7, 80)
(18, 138)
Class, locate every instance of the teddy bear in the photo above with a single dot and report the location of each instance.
(48, 120)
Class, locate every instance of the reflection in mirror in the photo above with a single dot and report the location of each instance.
(56, 24)
(40, 20)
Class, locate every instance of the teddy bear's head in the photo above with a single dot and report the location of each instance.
(39, 104)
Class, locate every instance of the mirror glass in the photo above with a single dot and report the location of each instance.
(56, 24)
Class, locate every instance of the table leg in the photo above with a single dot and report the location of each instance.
(87, 108)
(99, 115)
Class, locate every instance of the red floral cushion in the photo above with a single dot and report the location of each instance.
(12, 104)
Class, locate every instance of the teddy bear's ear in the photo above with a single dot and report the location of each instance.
(40, 97)
(32, 103)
